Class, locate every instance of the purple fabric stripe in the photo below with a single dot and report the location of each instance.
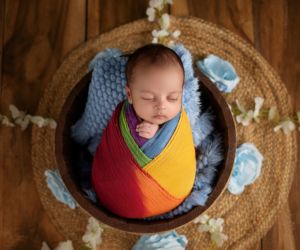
(132, 121)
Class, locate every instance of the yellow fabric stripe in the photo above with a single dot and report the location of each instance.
(175, 167)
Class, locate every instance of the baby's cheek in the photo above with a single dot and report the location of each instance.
(144, 110)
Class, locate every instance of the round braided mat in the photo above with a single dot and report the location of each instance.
(248, 216)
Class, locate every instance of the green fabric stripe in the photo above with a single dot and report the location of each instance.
(137, 153)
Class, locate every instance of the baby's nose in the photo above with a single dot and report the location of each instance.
(161, 105)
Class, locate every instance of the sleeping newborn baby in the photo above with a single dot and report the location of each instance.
(154, 88)
(145, 163)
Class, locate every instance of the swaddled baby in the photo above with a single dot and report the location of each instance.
(145, 163)
(154, 88)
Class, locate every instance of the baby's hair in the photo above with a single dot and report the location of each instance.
(152, 54)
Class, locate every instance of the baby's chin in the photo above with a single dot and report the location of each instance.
(158, 120)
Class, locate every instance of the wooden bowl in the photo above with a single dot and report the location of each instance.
(66, 148)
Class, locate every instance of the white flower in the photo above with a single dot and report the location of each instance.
(42, 122)
(203, 218)
(66, 245)
(164, 21)
(160, 33)
(52, 124)
(38, 120)
(176, 33)
(218, 238)
(155, 11)
(258, 104)
(158, 4)
(204, 228)
(240, 107)
(92, 236)
(45, 246)
(155, 40)
(20, 117)
(15, 112)
(273, 114)
(246, 116)
(23, 121)
(287, 126)
(151, 14)
(5, 121)
(214, 227)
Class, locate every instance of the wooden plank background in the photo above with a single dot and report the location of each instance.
(35, 36)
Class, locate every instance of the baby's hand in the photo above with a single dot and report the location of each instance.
(146, 129)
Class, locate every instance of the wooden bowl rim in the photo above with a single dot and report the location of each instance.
(140, 226)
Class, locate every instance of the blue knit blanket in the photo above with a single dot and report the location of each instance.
(107, 89)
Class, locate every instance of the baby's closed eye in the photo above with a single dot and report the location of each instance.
(169, 98)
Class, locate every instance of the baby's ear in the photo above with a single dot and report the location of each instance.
(128, 93)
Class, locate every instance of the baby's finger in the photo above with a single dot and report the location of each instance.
(142, 126)
(144, 134)
(139, 129)
(143, 131)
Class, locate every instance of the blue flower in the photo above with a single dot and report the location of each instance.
(220, 72)
(247, 167)
(58, 189)
(169, 240)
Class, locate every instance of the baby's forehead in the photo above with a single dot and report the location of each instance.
(142, 65)
(149, 88)
(170, 92)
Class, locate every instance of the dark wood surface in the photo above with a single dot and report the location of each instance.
(35, 36)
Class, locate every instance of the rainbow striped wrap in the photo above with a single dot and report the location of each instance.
(134, 182)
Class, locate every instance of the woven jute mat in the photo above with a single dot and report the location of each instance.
(248, 216)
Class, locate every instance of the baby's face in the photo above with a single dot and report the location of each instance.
(156, 93)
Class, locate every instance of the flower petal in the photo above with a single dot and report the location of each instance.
(66, 245)
(45, 246)
(273, 114)
(158, 4)
(203, 218)
(151, 14)
(287, 126)
(165, 21)
(259, 101)
(218, 238)
(155, 40)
